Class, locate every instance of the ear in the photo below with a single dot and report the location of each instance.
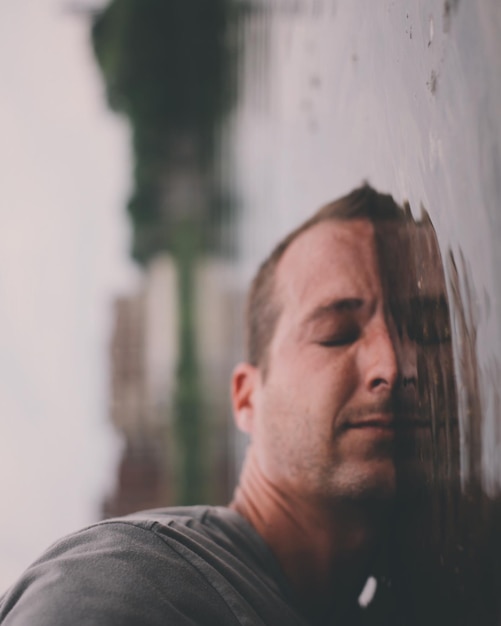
(244, 385)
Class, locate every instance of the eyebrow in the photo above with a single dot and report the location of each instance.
(339, 305)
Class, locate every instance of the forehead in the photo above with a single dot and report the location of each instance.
(331, 259)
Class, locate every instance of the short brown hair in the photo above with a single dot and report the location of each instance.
(263, 308)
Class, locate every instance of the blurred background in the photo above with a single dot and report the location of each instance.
(152, 152)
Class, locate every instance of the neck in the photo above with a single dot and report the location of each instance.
(326, 549)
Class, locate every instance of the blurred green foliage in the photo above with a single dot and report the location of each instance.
(168, 67)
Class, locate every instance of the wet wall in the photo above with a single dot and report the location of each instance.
(406, 96)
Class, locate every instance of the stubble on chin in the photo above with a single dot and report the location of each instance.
(363, 486)
(361, 470)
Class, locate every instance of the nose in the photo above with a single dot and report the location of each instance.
(380, 358)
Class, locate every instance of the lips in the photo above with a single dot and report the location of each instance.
(375, 421)
(388, 415)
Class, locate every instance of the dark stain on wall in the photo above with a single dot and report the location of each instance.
(432, 83)
(450, 7)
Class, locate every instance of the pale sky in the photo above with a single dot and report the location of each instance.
(64, 176)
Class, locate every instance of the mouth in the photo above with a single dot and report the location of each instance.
(375, 421)
(391, 423)
(380, 424)
(385, 418)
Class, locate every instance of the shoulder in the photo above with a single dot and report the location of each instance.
(183, 566)
(138, 569)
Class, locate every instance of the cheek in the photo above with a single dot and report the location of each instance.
(308, 380)
(317, 386)
(334, 376)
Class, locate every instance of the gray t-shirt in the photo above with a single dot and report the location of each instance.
(178, 566)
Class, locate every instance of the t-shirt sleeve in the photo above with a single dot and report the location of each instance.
(113, 574)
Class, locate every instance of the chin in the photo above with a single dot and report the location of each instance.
(373, 481)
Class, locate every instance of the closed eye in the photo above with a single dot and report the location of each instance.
(339, 340)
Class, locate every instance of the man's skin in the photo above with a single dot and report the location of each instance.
(319, 477)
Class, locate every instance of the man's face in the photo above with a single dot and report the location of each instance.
(322, 419)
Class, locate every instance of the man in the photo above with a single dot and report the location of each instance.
(329, 374)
